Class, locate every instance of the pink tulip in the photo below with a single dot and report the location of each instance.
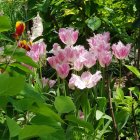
(99, 43)
(53, 61)
(120, 50)
(52, 83)
(61, 57)
(87, 80)
(68, 36)
(56, 48)
(78, 64)
(37, 51)
(70, 54)
(48, 82)
(90, 59)
(105, 58)
(63, 70)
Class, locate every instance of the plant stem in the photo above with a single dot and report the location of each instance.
(58, 88)
(120, 72)
(64, 88)
(103, 83)
(8, 62)
(40, 71)
(112, 113)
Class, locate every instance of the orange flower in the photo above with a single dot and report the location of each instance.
(24, 44)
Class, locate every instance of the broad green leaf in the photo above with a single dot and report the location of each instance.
(93, 23)
(21, 67)
(99, 114)
(64, 104)
(3, 101)
(5, 23)
(10, 86)
(26, 60)
(79, 122)
(43, 109)
(84, 102)
(14, 128)
(31, 131)
(119, 94)
(101, 103)
(49, 121)
(121, 119)
(135, 91)
(134, 70)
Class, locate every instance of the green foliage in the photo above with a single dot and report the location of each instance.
(64, 104)
(28, 110)
(10, 86)
(5, 23)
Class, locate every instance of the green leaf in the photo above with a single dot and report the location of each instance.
(134, 70)
(21, 67)
(10, 86)
(79, 122)
(3, 37)
(64, 104)
(101, 103)
(99, 114)
(5, 23)
(49, 121)
(93, 23)
(121, 118)
(14, 128)
(31, 131)
(119, 94)
(136, 23)
(26, 60)
(9, 49)
(43, 109)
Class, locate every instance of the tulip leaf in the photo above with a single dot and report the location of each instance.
(134, 70)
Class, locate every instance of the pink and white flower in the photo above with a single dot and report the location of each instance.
(90, 59)
(68, 36)
(99, 43)
(37, 51)
(63, 70)
(120, 50)
(87, 80)
(49, 82)
(105, 58)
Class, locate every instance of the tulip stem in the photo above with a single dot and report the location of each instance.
(103, 82)
(58, 90)
(64, 88)
(120, 72)
(40, 70)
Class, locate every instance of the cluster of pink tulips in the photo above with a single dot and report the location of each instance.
(75, 58)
